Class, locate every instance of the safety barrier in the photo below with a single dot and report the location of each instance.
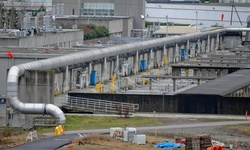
(87, 104)
(59, 130)
(215, 148)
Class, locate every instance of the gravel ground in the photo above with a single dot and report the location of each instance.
(222, 134)
(2, 115)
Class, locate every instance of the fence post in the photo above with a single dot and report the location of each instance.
(106, 107)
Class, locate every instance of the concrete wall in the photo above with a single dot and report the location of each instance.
(34, 87)
(231, 42)
(9, 41)
(50, 39)
(65, 38)
(7, 63)
(207, 104)
(116, 26)
(131, 8)
(72, 4)
(127, 27)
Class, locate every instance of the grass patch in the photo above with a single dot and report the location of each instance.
(102, 122)
(242, 129)
(10, 136)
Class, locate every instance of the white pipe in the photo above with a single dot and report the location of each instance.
(85, 56)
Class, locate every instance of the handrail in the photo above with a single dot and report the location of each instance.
(99, 105)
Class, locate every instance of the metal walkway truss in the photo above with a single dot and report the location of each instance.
(96, 105)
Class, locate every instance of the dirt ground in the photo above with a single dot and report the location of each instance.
(237, 134)
(226, 134)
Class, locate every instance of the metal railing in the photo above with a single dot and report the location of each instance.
(45, 122)
(96, 105)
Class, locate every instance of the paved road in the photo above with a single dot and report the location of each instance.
(58, 141)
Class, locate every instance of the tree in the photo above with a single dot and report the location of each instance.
(3, 18)
(42, 9)
(92, 31)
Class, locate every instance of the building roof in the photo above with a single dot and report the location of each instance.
(175, 30)
(223, 85)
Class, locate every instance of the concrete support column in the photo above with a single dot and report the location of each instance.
(65, 80)
(203, 47)
(217, 41)
(136, 64)
(188, 49)
(177, 54)
(117, 62)
(104, 70)
(187, 46)
(220, 43)
(150, 59)
(89, 73)
(198, 47)
(212, 45)
(208, 44)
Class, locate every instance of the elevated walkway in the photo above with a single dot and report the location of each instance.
(96, 105)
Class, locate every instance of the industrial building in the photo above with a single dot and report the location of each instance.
(118, 26)
(33, 80)
(84, 69)
(59, 38)
(105, 8)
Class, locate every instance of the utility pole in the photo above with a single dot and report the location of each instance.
(233, 7)
(196, 20)
(166, 25)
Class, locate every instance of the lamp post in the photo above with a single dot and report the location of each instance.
(142, 18)
(196, 20)
(166, 25)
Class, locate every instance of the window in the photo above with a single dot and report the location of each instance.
(99, 9)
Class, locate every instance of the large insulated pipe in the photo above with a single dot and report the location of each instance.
(80, 57)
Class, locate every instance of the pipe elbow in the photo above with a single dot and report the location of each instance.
(56, 112)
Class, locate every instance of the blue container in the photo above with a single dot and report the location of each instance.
(183, 54)
(143, 65)
(93, 77)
